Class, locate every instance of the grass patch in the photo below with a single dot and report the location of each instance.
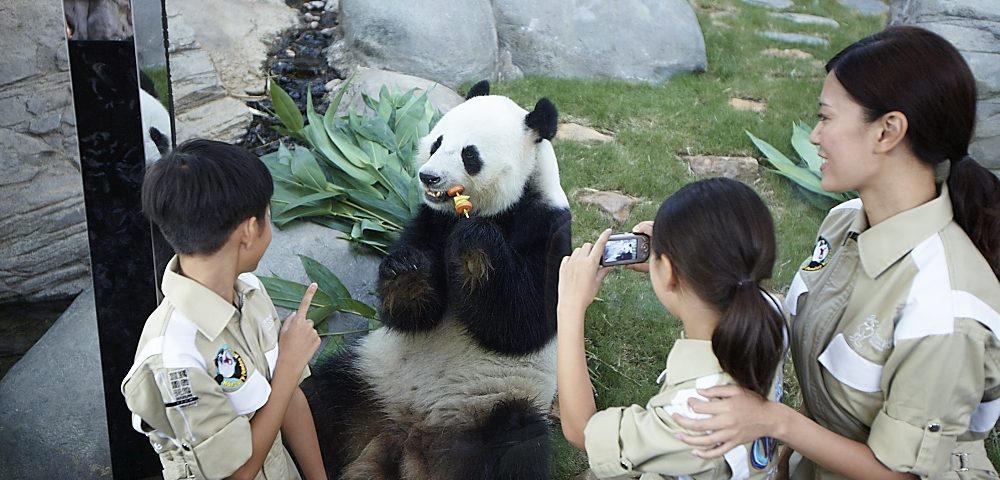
(628, 332)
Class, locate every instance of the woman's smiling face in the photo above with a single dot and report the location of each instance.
(845, 139)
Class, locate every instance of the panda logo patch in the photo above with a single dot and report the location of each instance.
(820, 256)
(231, 372)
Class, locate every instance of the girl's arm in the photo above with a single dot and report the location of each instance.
(299, 431)
(580, 276)
(739, 416)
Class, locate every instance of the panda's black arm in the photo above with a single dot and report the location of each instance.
(505, 287)
(412, 285)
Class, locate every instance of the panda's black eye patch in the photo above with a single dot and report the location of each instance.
(470, 157)
(437, 144)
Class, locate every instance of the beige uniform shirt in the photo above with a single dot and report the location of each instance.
(894, 339)
(202, 369)
(634, 441)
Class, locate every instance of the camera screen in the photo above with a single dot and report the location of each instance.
(620, 250)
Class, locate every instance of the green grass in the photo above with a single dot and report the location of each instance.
(628, 332)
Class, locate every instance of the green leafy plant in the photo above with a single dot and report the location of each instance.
(805, 173)
(331, 297)
(353, 173)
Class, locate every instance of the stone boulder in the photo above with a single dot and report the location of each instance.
(52, 418)
(633, 40)
(355, 268)
(973, 26)
(43, 234)
(449, 41)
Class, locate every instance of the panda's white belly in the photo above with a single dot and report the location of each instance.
(443, 378)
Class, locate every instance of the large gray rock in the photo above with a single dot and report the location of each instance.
(43, 238)
(635, 40)
(973, 26)
(356, 269)
(449, 41)
(213, 63)
(453, 42)
(52, 418)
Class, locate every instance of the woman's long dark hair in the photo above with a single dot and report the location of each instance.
(918, 73)
(719, 237)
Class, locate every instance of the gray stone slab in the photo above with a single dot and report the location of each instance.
(805, 19)
(866, 7)
(800, 38)
(52, 418)
(774, 4)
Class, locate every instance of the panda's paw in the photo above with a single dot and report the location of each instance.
(472, 268)
(409, 300)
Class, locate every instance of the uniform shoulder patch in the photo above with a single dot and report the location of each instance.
(820, 257)
(231, 371)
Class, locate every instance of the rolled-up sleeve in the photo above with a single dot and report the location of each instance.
(932, 386)
(187, 405)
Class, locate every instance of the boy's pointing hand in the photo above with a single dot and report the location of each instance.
(298, 340)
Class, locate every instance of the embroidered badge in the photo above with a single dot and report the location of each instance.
(231, 372)
(820, 256)
(869, 331)
(180, 389)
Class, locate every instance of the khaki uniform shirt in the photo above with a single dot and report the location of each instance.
(201, 371)
(894, 339)
(634, 441)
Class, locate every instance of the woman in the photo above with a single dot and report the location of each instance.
(895, 317)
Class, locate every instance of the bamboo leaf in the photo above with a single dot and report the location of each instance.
(288, 294)
(326, 280)
(349, 305)
(305, 168)
(285, 108)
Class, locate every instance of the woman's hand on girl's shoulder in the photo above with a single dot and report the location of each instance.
(738, 416)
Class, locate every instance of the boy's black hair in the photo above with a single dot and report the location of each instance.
(199, 192)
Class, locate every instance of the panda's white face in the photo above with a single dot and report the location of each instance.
(484, 146)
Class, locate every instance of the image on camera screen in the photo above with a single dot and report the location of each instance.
(620, 250)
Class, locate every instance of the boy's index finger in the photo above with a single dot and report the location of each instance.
(303, 309)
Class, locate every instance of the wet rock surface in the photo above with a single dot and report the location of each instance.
(297, 63)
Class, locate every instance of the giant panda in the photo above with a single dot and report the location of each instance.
(459, 381)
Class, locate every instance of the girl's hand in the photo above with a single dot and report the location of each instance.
(738, 416)
(580, 276)
(646, 228)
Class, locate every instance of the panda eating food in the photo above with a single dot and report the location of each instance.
(459, 381)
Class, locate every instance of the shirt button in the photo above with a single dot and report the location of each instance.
(933, 427)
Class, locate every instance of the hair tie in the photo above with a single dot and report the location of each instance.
(964, 158)
(744, 282)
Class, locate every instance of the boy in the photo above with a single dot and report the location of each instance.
(213, 380)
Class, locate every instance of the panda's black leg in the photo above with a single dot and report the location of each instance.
(410, 291)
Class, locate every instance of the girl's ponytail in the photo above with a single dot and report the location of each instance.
(719, 238)
(749, 340)
(975, 200)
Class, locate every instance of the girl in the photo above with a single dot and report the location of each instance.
(895, 318)
(712, 243)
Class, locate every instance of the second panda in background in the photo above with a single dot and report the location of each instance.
(459, 382)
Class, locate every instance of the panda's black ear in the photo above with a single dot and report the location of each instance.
(480, 89)
(544, 119)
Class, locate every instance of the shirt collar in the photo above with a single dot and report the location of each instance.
(884, 244)
(209, 312)
(690, 359)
